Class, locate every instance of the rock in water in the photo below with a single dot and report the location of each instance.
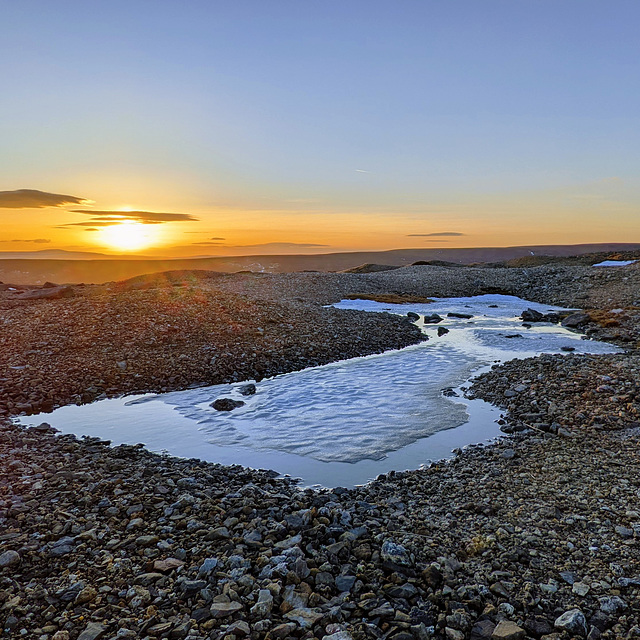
(434, 318)
(413, 316)
(247, 389)
(531, 315)
(226, 404)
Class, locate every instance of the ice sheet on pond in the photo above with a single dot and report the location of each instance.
(614, 263)
(350, 419)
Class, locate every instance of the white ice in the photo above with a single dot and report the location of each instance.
(614, 263)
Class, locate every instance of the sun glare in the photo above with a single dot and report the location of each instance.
(128, 236)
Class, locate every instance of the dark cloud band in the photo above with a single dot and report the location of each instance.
(33, 199)
(34, 240)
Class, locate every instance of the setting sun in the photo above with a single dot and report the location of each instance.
(128, 236)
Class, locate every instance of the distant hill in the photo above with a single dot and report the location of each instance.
(63, 254)
(370, 268)
(103, 268)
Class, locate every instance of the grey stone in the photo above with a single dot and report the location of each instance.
(207, 566)
(482, 630)
(338, 635)
(304, 617)
(262, 608)
(93, 631)
(612, 604)
(345, 583)
(624, 532)
(224, 609)
(9, 559)
(575, 320)
(572, 621)
(507, 630)
(406, 591)
(395, 553)
(531, 315)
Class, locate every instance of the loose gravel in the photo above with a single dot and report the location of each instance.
(536, 536)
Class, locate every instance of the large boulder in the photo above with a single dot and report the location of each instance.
(50, 293)
(575, 320)
(531, 315)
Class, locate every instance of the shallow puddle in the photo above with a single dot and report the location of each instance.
(346, 422)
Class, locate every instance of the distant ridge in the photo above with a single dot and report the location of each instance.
(33, 268)
(63, 254)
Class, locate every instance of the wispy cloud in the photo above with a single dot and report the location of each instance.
(34, 240)
(209, 242)
(362, 171)
(431, 235)
(34, 199)
(278, 245)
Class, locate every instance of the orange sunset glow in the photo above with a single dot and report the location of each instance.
(286, 133)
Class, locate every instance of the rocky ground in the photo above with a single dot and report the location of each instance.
(99, 343)
(535, 537)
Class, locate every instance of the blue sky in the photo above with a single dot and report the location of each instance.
(272, 120)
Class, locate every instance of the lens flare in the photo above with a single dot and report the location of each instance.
(128, 236)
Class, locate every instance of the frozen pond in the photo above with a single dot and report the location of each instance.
(614, 263)
(346, 422)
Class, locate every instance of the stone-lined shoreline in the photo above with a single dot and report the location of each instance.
(502, 541)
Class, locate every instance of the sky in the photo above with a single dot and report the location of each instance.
(209, 127)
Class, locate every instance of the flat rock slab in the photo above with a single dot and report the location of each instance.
(304, 617)
(224, 609)
(93, 631)
(507, 630)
